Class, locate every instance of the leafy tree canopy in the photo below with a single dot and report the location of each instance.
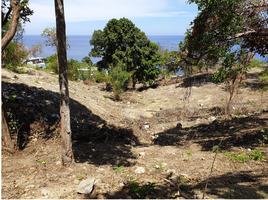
(120, 41)
(222, 24)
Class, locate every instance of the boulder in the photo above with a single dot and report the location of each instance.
(86, 186)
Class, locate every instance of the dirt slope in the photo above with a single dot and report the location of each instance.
(170, 136)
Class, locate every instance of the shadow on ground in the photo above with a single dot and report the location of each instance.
(36, 111)
(238, 132)
(227, 186)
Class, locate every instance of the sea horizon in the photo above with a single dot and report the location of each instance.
(80, 46)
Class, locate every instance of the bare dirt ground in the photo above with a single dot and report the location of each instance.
(170, 136)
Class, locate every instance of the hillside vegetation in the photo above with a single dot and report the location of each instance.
(173, 136)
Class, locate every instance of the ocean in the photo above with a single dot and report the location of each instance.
(80, 46)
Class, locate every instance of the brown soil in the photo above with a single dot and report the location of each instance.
(149, 127)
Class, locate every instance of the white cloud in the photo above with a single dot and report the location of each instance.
(97, 10)
(94, 10)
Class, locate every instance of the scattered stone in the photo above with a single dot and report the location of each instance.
(84, 168)
(203, 158)
(146, 126)
(29, 104)
(198, 196)
(86, 186)
(128, 102)
(248, 149)
(184, 175)
(76, 182)
(55, 115)
(58, 163)
(30, 186)
(171, 171)
(179, 126)
(20, 98)
(155, 137)
(212, 118)
(201, 105)
(45, 192)
(139, 170)
(142, 153)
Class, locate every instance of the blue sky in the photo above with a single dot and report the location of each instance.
(154, 17)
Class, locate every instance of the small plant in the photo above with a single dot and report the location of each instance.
(248, 103)
(160, 166)
(105, 96)
(132, 123)
(80, 176)
(41, 161)
(37, 81)
(182, 185)
(140, 192)
(189, 153)
(116, 169)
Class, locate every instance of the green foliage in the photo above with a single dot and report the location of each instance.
(189, 153)
(73, 69)
(116, 169)
(264, 141)
(256, 63)
(119, 80)
(52, 63)
(13, 54)
(161, 166)
(101, 76)
(122, 42)
(263, 75)
(242, 157)
(140, 192)
(80, 176)
(87, 60)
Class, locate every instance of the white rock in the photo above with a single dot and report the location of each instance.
(84, 168)
(212, 118)
(30, 186)
(100, 170)
(146, 126)
(248, 149)
(128, 102)
(142, 153)
(201, 104)
(139, 170)
(45, 192)
(76, 182)
(58, 163)
(86, 186)
(171, 171)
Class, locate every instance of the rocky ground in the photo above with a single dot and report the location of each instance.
(155, 143)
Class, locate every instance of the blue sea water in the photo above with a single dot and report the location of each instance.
(80, 46)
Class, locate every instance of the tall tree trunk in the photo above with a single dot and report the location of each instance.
(16, 8)
(66, 133)
(6, 138)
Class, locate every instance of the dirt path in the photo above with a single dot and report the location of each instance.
(171, 138)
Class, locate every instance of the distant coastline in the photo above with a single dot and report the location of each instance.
(80, 46)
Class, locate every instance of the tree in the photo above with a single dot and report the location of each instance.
(87, 60)
(66, 133)
(51, 38)
(229, 30)
(120, 41)
(13, 11)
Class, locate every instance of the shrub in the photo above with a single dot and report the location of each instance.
(101, 76)
(119, 80)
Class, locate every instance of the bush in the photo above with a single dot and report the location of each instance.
(13, 55)
(119, 80)
(101, 76)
